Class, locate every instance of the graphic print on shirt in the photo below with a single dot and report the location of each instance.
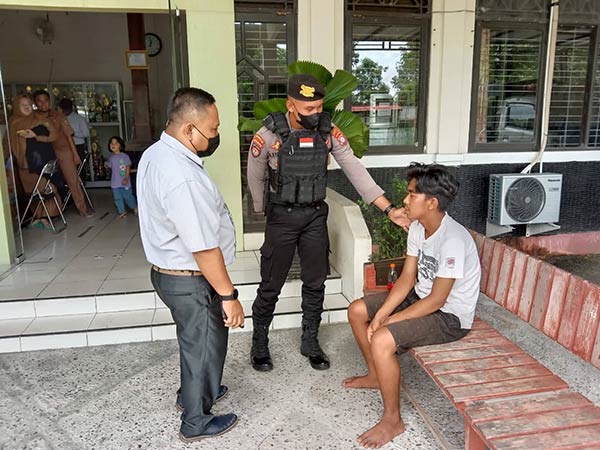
(122, 167)
(428, 266)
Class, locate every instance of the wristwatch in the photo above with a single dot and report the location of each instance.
(387, 210)
(232, 296)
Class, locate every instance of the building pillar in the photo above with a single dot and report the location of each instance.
(7, 236)
(212, 66)
(450, 76)
(321, 32)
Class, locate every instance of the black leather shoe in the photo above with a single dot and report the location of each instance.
(317, 362)
(263, 364)
(216, 427)
(223, 390)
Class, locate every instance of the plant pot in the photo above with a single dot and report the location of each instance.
(382, 269)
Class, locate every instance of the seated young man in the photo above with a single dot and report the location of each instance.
(433, 301)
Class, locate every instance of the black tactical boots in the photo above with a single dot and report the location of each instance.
(310, 346)
(260, 356)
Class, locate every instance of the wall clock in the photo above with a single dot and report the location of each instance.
(153, 44)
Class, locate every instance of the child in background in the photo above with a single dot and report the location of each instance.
(120, 166)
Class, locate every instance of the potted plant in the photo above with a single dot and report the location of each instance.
(337, 86)
(389, 240)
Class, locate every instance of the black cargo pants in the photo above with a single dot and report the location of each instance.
(303, 227)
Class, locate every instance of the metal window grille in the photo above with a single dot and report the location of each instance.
(403, 6)
(509, 62)
(567, 106)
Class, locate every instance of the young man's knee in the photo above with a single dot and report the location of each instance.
(382, 342)
(357, 311)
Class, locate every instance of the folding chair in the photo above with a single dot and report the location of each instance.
(44, 192)
(82, 184)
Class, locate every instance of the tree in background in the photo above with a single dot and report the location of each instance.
(406, 80)
(370, 79)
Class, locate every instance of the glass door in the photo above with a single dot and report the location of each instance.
(9, 167)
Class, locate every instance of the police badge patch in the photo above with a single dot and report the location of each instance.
(257, 145)
(339, 136)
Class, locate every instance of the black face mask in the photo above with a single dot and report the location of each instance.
(310, 122)
(213, 144)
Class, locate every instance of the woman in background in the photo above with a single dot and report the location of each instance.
(31, 144)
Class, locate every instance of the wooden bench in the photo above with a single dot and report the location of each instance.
(507, 398)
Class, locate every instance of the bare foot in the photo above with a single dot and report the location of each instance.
(382, 433)
(367, 381)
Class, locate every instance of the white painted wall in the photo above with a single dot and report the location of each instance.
(321, 32)
(350, 243)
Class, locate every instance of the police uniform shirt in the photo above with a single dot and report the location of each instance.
(266, 144)
(181, 211)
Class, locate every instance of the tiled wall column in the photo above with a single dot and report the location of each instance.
(450, 75)
(321, 32)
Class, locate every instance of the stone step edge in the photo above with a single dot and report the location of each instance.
(110, 294)
(141, 333)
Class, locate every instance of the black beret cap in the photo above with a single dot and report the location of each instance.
(305, 87)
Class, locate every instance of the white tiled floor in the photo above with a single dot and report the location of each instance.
(102, 255)
(99, 255)
(89, 285)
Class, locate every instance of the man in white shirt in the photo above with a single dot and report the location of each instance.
(81, 128)
(433, 302)
(189, 238)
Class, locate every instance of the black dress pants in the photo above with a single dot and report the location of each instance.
(287, 228)
(202, 338)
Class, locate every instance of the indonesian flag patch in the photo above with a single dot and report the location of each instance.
(306, 142)
(257, 145)
(339, 136)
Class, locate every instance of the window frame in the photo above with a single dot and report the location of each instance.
(410, 20)
(566, 20)
(494, 147)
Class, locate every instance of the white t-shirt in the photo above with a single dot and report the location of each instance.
(450, 252)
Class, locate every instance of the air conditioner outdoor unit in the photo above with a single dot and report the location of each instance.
(524, 199)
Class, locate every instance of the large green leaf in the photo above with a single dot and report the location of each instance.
(264, 107)
(354, 129)
(317, 70)
(339, 87)
(349, 123)
(247, 124)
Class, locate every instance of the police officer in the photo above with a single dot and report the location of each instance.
(189, 238)
(287, 177)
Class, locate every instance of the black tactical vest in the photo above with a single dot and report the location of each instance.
(301, 174)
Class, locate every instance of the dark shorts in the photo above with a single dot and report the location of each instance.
(437, 328)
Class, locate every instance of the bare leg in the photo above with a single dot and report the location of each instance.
(359, 321)
(387, 368)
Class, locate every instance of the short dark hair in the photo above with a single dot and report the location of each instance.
(65, 104)
(39, 92)
(119, 139)
(434, 180)
(187, 100)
